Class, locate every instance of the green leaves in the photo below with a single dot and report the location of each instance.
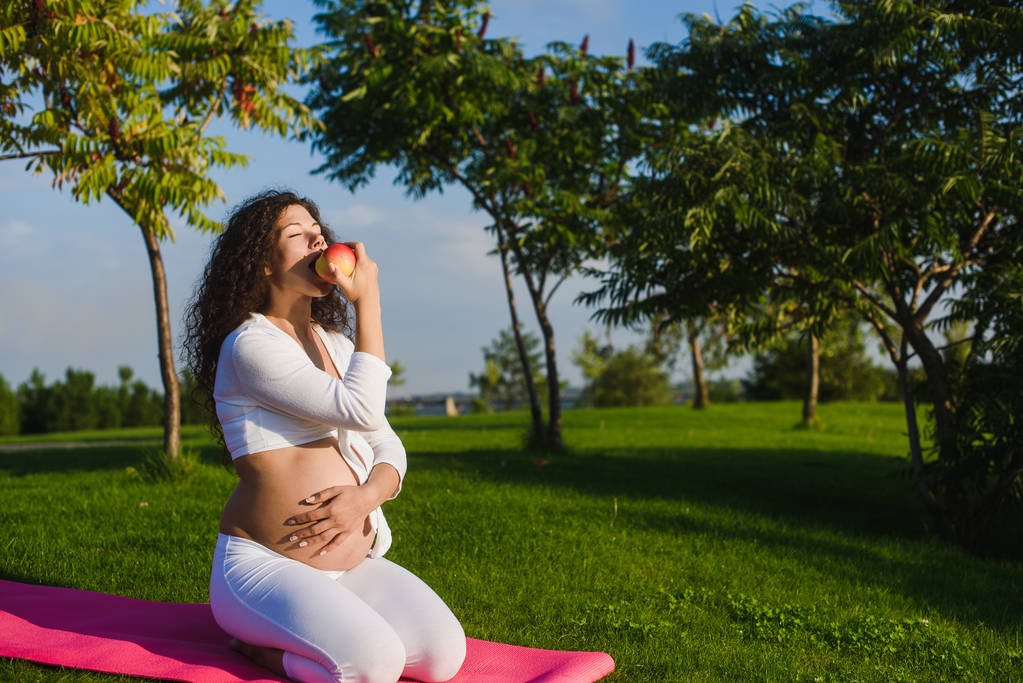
(868, 163)
(127, 97)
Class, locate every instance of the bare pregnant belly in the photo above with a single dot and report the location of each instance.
(271, 488)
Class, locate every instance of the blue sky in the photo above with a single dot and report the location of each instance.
(75, 281)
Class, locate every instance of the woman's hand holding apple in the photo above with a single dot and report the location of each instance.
(349, 267)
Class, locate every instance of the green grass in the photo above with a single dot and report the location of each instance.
(723, 545)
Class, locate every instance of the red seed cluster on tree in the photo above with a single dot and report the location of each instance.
(243, 96)
(483, 26)
(585, 46)
(371, 47)
(631, 59)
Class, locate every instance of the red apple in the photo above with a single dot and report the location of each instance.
(341, 255)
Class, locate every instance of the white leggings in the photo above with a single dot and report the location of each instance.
(372, 623)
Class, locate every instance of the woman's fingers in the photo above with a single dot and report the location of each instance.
(305, 536)
(363, 279)
(320, 496)
(333, 543)
(301, 518)
(360, 252)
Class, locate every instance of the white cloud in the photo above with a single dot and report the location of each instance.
(16, 232)
(360, 216)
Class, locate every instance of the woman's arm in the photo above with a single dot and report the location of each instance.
(271, 368)
(363, 290)
(387, 450)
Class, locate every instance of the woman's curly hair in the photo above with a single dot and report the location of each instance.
(234, 285)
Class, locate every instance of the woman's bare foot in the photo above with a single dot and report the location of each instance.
(267, 657)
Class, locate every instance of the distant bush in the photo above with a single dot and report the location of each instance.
(630, 377)
(846, 372)
(724, 390)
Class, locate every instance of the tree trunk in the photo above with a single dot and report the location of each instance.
(937, 386)
(527, 370)
(913, 432)
(957, 505)
(813, 368)
(553, 440)
(553, 388)
(701, 396)
(171, 389)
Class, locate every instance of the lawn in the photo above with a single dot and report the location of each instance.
(723, 545)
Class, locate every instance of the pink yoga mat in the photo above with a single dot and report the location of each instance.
(181, 642)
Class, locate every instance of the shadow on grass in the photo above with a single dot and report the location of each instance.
(813, 495)
(849, 491)
(513, 421)
(89, 459)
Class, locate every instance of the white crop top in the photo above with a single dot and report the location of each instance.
(269, 394)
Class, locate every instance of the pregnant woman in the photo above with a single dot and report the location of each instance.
(299, 578)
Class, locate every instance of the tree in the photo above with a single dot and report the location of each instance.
(867, 164)
(397, 373)
(193, 408)
(630, 377)
(652, 254)
(706, 339)
(591, 357)
(9, 410)
(108, 407)
(143, 406)
(75, 407)
(501, 383)
(533, 141)
(36, 404)
(125, 98)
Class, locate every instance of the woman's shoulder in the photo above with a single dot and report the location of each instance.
(258, 335)
(337, 339)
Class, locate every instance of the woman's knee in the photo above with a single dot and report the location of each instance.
(381, 662)
(370, 665)
(444, 652)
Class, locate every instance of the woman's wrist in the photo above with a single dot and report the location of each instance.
(368, 303)
(382, 483)
(369, 332)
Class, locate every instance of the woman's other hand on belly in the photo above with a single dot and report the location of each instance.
(340, 512)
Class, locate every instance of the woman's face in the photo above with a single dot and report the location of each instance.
(298, 242)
